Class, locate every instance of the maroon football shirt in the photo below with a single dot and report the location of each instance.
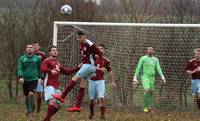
(104, 62)
(50, 64)
(192, 65)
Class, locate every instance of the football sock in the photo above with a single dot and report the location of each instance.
(32, 102)
(91, 107)
(39, 100)
(69, 86)
(51, 110)
(146, 100)
(27, 104)
(80, 97)
(150, 101)
(102, 110)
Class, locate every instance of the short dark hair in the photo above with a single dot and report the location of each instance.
(80, 32)
(149, 47)
(30, 43)
(52, 47)
(102, 46)
(36, 42)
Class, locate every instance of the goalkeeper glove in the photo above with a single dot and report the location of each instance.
(135, 81)
(163, 78)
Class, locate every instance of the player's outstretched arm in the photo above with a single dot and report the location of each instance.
(72, 70)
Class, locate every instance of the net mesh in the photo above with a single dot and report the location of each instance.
(124, 46)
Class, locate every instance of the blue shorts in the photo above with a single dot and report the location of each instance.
(86, 71)
(48, 91)
(39, 86)
(195, 86)
(96, 89)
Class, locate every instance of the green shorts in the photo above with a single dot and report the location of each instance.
(148, 83)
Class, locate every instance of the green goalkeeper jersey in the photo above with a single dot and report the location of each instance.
(147, 67)
(29, 67)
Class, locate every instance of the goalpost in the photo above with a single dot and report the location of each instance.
(125, 43)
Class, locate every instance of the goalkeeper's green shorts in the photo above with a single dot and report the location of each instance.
(148, 83)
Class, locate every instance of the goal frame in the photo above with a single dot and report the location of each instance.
(56, 23)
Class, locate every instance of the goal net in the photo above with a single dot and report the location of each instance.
(125, 43)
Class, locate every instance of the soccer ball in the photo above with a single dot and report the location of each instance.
(66, 9)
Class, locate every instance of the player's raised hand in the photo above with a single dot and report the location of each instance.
(21, 80)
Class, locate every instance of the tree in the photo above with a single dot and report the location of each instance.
(13, 27)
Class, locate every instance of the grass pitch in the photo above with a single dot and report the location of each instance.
(14, 112)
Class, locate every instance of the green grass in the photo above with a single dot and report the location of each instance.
(13, 112)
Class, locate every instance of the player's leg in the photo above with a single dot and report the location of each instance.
(91, 108)
(83, 73)
(198, 93)
(77, 107)
(146, 86)
(194, 92)
(39, 100)
(39, 91)
(151, 96)
(92, 95)
(33, 85)
(67, 89)
(53, 105)
(101, 93)
(26, 94)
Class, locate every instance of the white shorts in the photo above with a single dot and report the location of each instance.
(39, 86)
(48, 91)
(96, 89)
(195, 86)
(86, 71)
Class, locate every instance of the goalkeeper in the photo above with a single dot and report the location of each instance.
(147, 67)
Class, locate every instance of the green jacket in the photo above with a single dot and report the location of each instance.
(147, 67)
(29, 67)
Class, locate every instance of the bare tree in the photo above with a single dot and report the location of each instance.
(12, 26)
(140, 10)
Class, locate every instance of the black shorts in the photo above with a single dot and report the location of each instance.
(29, 86)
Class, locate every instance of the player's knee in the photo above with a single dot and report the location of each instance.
(101, 102)
(194, 97)
(83, 83)
(75, 78)
(151, 92)
(38, 94)
(92, 101)
(54, 103)
(147, 90)
(197, 97)
(31, 93)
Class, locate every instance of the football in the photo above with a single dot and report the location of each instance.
(66, 10)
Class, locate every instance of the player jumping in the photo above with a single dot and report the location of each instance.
(88, 50)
